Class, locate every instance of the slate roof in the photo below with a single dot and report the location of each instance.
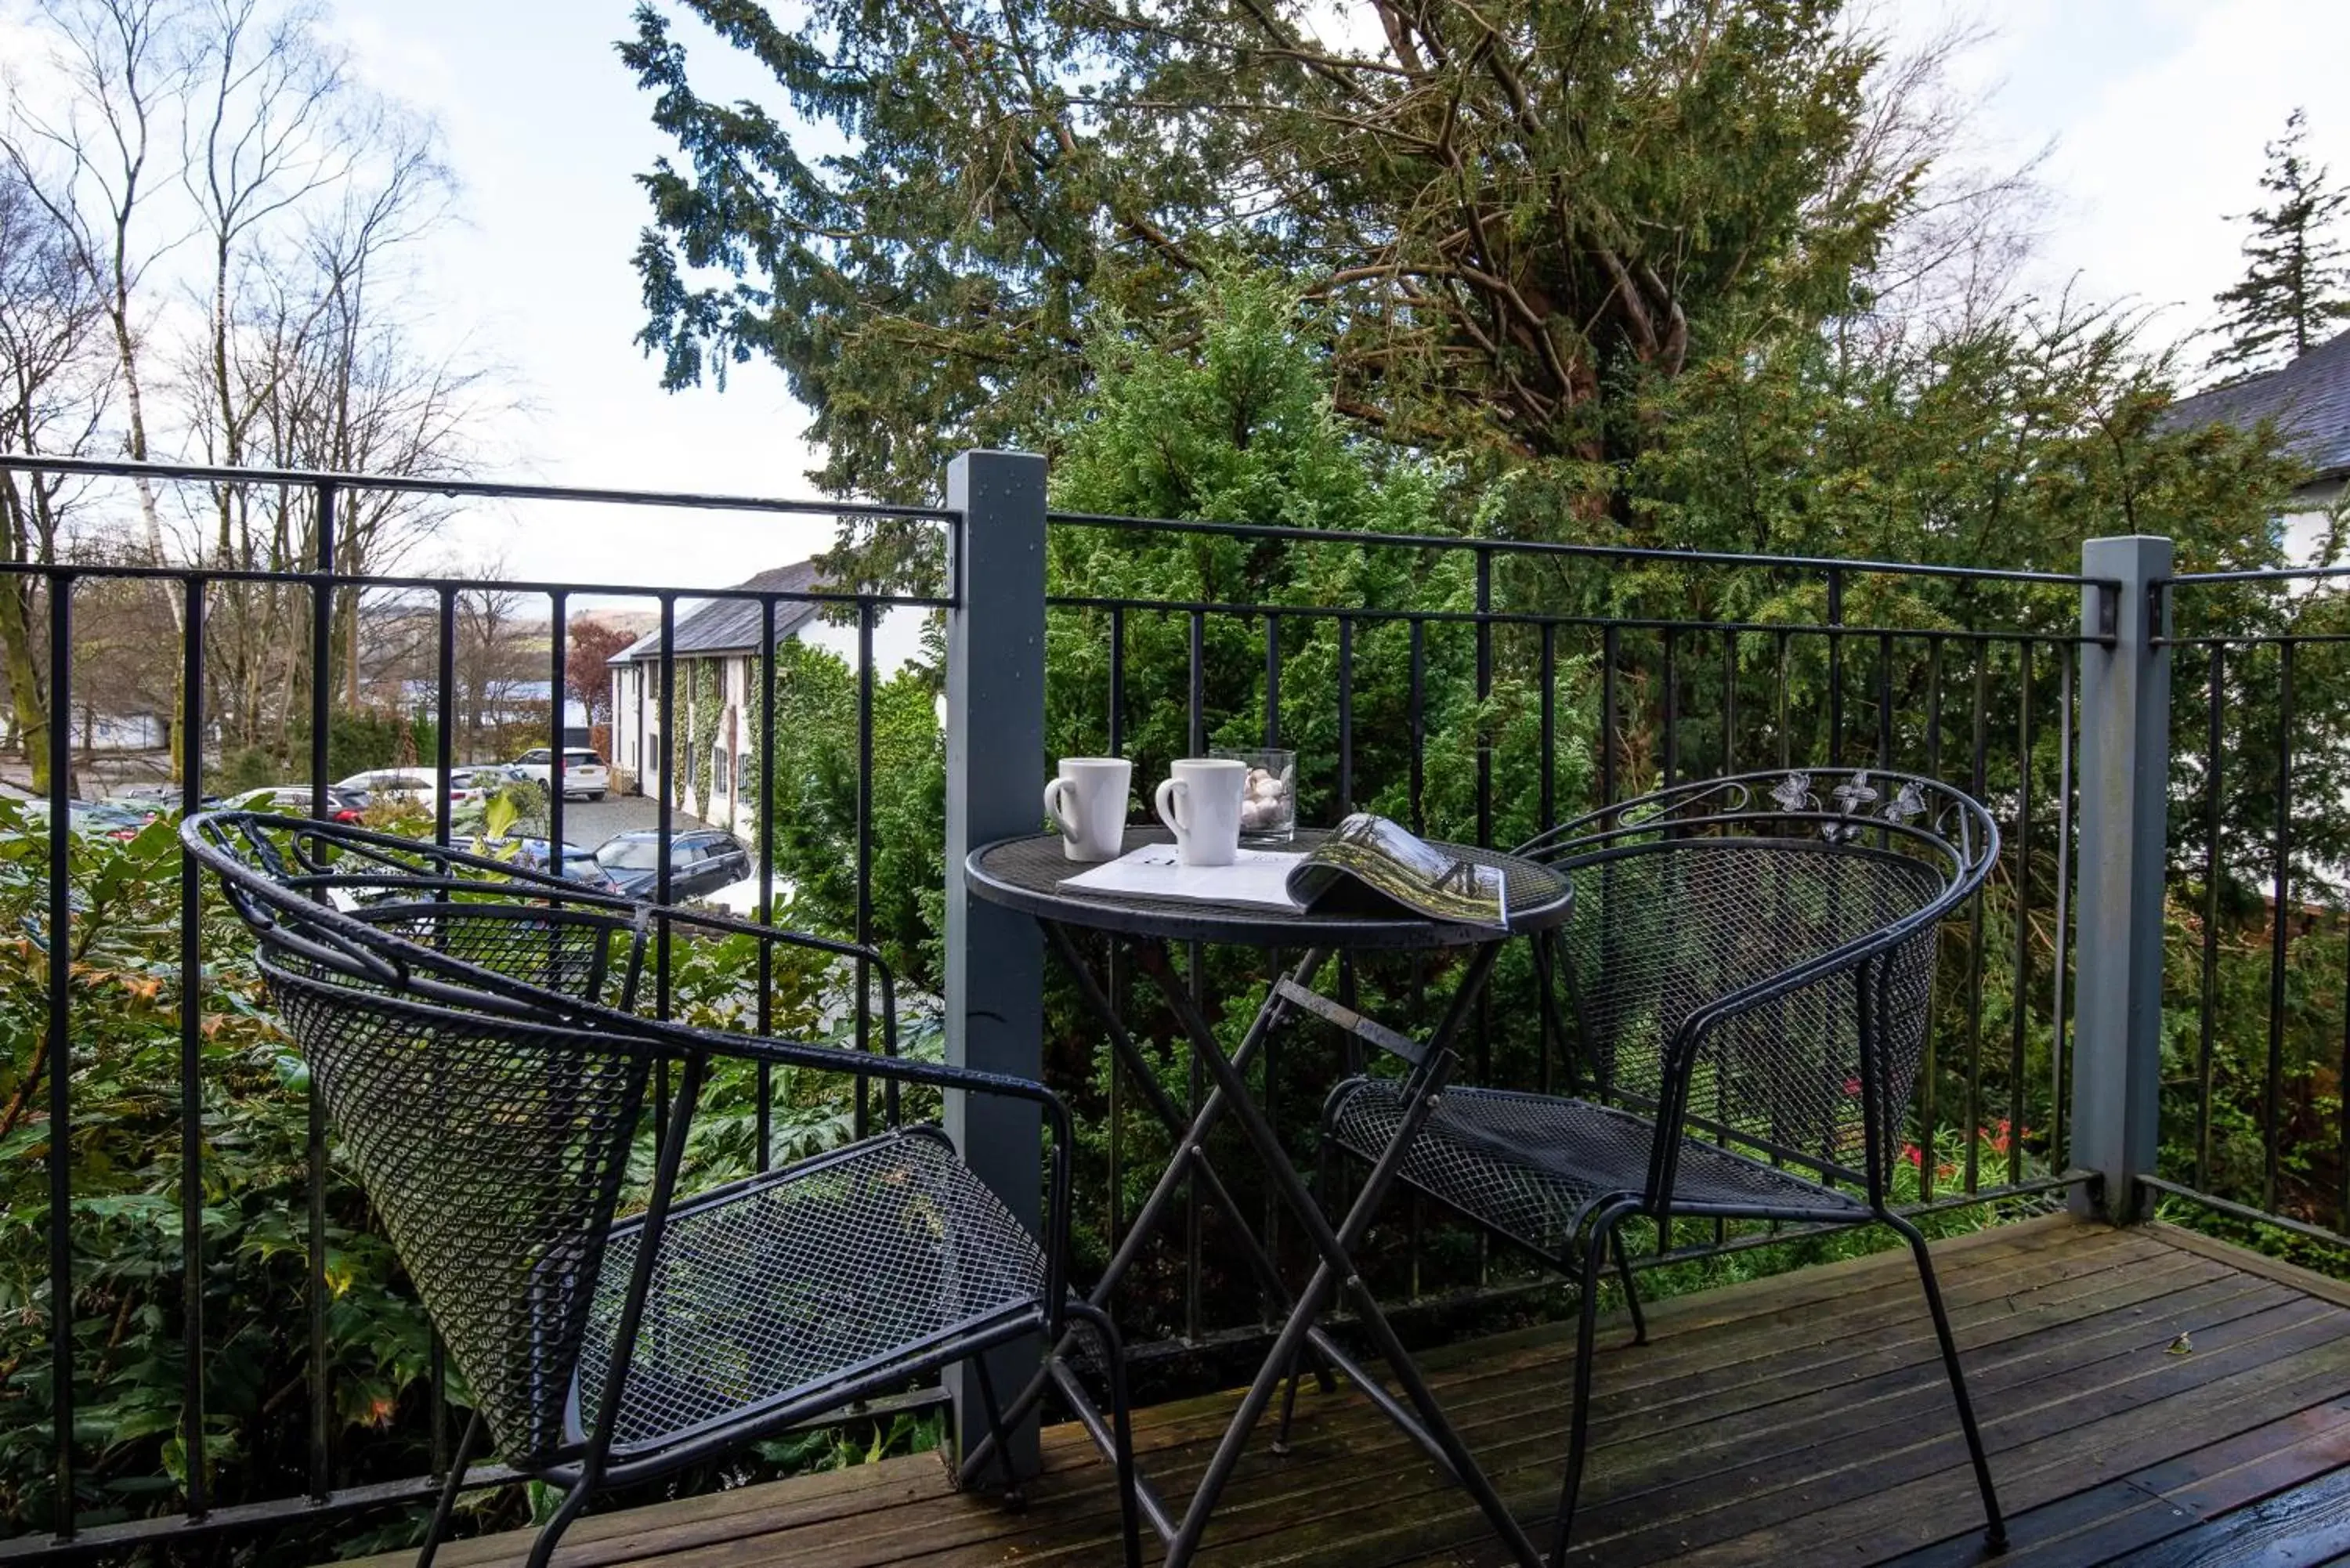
(2309, 399)
(731, 626)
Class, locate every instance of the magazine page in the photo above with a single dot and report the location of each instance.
(1157, 870)
(1371, 856)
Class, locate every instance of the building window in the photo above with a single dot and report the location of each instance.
(720, 768)
(652, 753)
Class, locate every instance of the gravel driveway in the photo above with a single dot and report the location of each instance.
(587, 823)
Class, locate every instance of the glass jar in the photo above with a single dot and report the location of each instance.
(1269, 803)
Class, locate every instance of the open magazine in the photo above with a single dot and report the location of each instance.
(1369, 865)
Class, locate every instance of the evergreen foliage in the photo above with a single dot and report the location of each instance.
(1222, 273)
(815, 803)
(1503, 208)
(2295, 285)
(706, 705)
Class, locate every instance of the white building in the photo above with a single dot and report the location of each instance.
(717, 638)
(2309, 399)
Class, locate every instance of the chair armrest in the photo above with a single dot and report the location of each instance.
(841, 1059)
(251, 851)
(1800, 975)
(830, 946)
(1708, 1016)
(1856, 961)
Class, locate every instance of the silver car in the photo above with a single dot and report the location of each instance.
(584, 773)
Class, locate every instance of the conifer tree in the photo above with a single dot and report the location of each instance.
(2294, 285)
(1505, 211)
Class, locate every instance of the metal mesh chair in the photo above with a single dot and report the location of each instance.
(468, 1027)
(291, 877)
(1748, 974)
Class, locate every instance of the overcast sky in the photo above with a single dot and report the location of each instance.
(2157, 110)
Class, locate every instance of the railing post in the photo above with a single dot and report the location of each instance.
(995, 776)
(2125, 776)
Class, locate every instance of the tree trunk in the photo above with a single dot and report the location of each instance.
(20, 532)
(150, 517)
(25, 686)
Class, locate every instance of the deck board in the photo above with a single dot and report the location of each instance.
(1802, 1418)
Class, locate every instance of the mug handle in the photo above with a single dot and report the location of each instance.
(1170, 792)
(1054, 790)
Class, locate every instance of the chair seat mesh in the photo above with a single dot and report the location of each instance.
(785, 1283)
(1526, 1164)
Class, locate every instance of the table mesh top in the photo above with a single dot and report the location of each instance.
(1028, 874)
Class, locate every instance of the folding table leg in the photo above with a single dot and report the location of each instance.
(1190, 1163)
(1336, 1268)
(1190, 1139)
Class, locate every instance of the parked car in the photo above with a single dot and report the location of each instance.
(294, 800)
(579, 863)
(98, 818)
(117, 818)
(421, 787)
(584, 773)
(701, 860)
(376, 785)
(740, 900)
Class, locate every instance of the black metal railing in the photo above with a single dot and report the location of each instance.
(331, 1483)
(1660, 697)
(2257, 971)
(1502, 687)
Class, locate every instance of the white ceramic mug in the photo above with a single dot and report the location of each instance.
(1201, 805)
(1087, 802)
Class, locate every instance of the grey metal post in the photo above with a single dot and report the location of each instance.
(996, 778)
(2125, 784)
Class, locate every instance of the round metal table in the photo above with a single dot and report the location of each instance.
(1031, 875)
(1028, 874)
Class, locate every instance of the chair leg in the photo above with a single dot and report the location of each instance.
(1289, 1402)
(1586, 1331)
(574, 1503)
(1995, 1525)
(1631, 1293)
(1289, 1392)
(1324, 1179)
(1000, 1439)
(448, 1503)
(1129, 1508)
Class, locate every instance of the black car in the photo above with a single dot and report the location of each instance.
(701, 860)
(579, 865)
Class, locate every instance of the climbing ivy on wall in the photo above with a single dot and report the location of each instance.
(706, 702)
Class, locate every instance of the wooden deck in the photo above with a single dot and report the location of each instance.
(2150, 1398)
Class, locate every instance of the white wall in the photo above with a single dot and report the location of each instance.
(636, 707)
